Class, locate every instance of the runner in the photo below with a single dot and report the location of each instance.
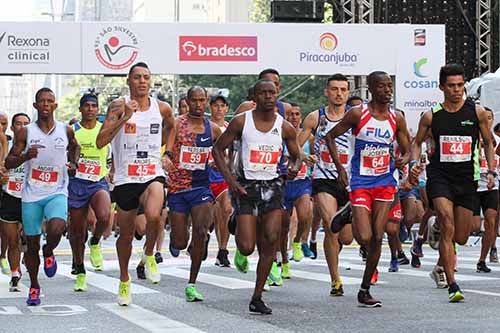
(329, 193)
(257, 191)
(182, 106)
(189, 191)
(4, 242)
(222, 208)
(133, 125)
(10, 210)
(375, 126)
(452, 173)
(88, 190)
(44, 147)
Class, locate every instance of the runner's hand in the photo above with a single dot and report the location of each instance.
(167, 164)
(4, 175)
(72, 167)
(414, 174)
(310, 160)
(491, 181)
(130, 108)
(32, 152)
(344, 180)
(237, 189)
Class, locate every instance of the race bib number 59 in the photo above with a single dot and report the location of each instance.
(194, 158)
(455, 148)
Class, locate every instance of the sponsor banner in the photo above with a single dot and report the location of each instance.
(419, 58)
(218, 48)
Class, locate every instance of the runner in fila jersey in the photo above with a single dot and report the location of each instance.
(10, 209)
(88, 189)
(133, 125)
(189, 191)
(222, 208)
(257, 191)
(453, 171)
(44, 147)
(330, 194)
(375, 127)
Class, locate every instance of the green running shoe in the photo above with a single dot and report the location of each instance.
(81, 282)
(275, 276)
(4, 264)
(95, 256)
(241, 262)
(124, 297)
(297, 255)
(192, 295)
(285, 271)
(455, 296)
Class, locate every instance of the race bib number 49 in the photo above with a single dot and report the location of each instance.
(194, 158)
(455, 148)
(44, 176)
(264, 157)
(375, 161)
(89, 169)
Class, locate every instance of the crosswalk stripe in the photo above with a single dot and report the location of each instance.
(215, 280)
(104, 282)
(480, 292)
(148, 320)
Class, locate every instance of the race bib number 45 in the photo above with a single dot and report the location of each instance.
(141, 168)
(44, 176)
(375, 161)
(455, 148)
(194, 158)
(264, 157)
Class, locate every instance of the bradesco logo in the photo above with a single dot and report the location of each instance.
(218, 48)
(420, 82)
(328, 43)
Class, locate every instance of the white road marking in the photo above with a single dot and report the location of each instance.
(216, 280)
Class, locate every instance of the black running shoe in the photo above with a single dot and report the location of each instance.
(222, 259)
(367, 301)
(341, 218)
(73, 269)
(231, 224)
(257, 306)
(314, 249)
(158, 257)
(14, 284)
(402, 258)
(415, 261)
(141, 273)
(205, 255)
(363, 253)
(173, 251)
(481, 267)
(137, 236)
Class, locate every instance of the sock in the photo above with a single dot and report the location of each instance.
(94, 241)
(420, 237)
(313, 241)
(80, 269)
(364, 288)
(453, 287)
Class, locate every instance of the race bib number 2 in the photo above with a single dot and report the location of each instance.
(375, 161)
(455, 148)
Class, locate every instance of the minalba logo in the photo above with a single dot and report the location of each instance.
(116, 47)
(417, 67)
(328, 41)
(218, 48)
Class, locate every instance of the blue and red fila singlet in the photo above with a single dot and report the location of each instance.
(372, 164)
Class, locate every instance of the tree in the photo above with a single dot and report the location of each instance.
(260, 11)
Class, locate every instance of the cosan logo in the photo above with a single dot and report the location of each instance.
(218, 48)
(421, 82)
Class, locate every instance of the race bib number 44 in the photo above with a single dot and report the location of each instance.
(264, 157)
(89, 169)
(455, 148)
(44, 176)
(194, 158)
(375, 161)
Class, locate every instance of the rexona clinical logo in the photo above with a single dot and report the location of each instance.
(218, 48)
(116, 47)
(22, 49)
(420, 81)
(328, 53)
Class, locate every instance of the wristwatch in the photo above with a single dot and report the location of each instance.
(493, 173)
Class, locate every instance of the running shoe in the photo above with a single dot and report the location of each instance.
(493, 255)
(313, 246)
(285, 271)
(433, 233)
(192, 295)
(173, 251)
(337, 289)
(402, 258)
(158, 258)
(231, 223)
(481, 267)
(73, 269)
(374, 278)
(241, 262)
(274, 277)
(4, 264)
(141, 274)
(403, 232)
(415, 261)
(222, 259)
(363, 253)
(366, 300)
(81, 282)
(306, 250)
(50, 266)
(14, 284)
(298, 255)
(455, 294)
(205, 254)
(96, 256)
(137, 236)
(416, 249)
(393, 267)
(33, 297)
(342, 217)
(151, 269)
(257, 306)
(124, 297)
(437, 274)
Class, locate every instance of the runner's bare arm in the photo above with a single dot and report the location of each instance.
(403, 139)
(245, 106)
(294, 152)
(216, 131)
(16, 157)
(424, 126)
(288, 109)
(168, 133)
(73, 146)
(488, 142)
(3, 146)
(308, 127)
(116, 117)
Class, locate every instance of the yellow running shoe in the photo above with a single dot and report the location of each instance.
(81, 282)
(151, 269)
(124, 297)
(298, 255)
(96, 256)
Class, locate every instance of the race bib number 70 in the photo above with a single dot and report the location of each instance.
(264, 157)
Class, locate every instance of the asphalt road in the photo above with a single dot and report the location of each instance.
(410, 299)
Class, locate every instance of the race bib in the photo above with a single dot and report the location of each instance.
(483, 167)
(89, 169)
(455, 148)
(302, 172)
(326, 157)
(15, 187)
(194, 158)
(44, 176)
(375, 161)
(142, 168)
(264, 157)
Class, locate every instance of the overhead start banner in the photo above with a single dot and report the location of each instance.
(413, 53)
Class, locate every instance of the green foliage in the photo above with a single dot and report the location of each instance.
(260, 11)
